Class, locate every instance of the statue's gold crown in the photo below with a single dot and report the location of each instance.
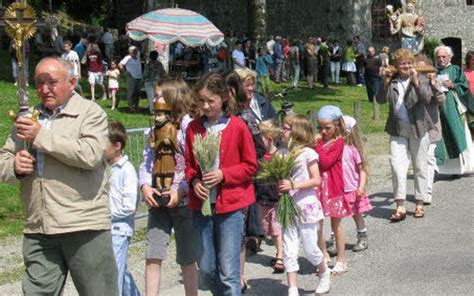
(411, 2)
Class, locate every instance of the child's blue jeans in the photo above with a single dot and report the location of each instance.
(126, 284)
(219, 239)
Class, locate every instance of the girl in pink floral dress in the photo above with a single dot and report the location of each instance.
(354, 170)
(343, 185)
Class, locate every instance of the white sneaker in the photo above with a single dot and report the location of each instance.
(360, 84)
(293, 291)
(340, 268)
(324, 282)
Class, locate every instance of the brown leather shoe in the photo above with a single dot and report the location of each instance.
(399, 214)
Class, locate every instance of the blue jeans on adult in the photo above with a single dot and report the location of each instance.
(219, 238)
(296, 74)
(126, 284)
(279, 71)
(325, 72)
(360, 72)
(133, 91)
(150, 94)
(373, 84)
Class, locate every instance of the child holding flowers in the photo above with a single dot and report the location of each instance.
(301, 187)
(267, 196)
(228, 187)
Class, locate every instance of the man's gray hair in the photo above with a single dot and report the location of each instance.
(66, 65)
(448, 49)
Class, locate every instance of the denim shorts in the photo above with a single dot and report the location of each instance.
(160, 222)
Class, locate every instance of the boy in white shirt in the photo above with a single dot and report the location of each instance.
(123, 187)
(73, 58)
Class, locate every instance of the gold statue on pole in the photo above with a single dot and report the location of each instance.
(20, 25)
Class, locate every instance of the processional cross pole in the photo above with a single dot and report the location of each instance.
(20, 20)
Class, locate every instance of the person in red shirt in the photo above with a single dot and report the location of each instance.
(231, 189)
(330, 149)
(95, 69)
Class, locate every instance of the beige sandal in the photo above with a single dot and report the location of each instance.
(419, 212)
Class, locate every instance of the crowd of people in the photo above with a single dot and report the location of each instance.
(80, 201)
(316, 59)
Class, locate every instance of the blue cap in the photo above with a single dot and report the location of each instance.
(329, 112)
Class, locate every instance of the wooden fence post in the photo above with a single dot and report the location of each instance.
(376, 110)
(312, 116)
(357, 111)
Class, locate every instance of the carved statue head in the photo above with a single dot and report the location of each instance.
(162, 113)
(410, 7)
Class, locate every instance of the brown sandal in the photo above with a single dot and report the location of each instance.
(278, 266)
(419, 212)
(399, 214)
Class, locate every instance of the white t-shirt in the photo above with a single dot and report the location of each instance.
(270, 45)
(238, 55)
(256, 109)
(133, 66)
(399, 108)
(73, 58)
(113, 78)
(306, 199)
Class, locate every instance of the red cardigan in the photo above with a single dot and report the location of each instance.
(238, 163)
(330, 161)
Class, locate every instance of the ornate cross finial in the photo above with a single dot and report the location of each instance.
(20, 20)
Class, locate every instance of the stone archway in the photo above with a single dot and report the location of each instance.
(456, 46)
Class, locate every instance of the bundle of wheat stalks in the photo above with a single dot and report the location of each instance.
(206, 149)
(278, 168)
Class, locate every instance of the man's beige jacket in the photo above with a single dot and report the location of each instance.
(71, 195)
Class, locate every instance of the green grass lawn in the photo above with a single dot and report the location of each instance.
(305, 100)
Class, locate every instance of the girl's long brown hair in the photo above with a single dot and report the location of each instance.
(216, 84)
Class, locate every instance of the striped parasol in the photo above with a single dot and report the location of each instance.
(175, 24)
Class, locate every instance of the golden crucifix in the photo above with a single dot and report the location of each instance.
(20, 25)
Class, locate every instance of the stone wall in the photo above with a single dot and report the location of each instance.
(449, 18)
(339, 19)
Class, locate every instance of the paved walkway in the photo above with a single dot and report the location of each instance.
(429, 256)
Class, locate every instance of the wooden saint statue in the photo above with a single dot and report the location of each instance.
(164, 143)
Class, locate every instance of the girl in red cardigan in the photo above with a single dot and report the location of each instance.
(330, 149)
(220, 235)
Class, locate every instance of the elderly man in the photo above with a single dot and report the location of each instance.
(63, 188)
(132, 66)
(455, 151)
